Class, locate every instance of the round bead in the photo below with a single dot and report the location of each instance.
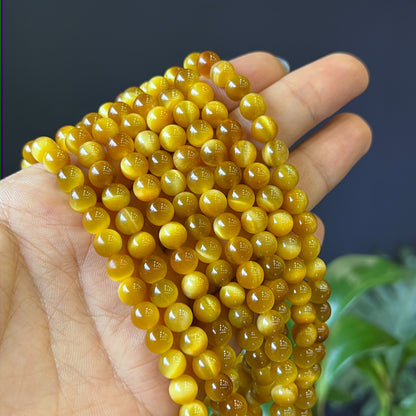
(270, 198)
(321, 291)
(295, 271)
(260, 299)
(129, 220)
(178, 317)
(173, 182)
(280, 223)
(256, 175)
(227, 174)
(232, 295)
(303, 314)
(278, 348)
(315, 269)
(40, 146)
(194, 285)
(226, 226)
(195, 408)
(183, 389)
(170, 74)
(101, 174)
(159, 339)
(221, 72)
(173, 235)
(273, 267)
(284, 310)
(304, 223)
(172, 363)
(163, 293)
(299, 293)
(193, 341)
(264, 128)
(118, 110)
(132, 291)
(198, 132)
(207, 308)
(185, 204)
(243, 153)
(55, 159)
(153, 268)
(276, 410)
(160, 162)
(219, 272)
(191, 61)
(27, 151)
(184, 260)
(229, 132)
(214, 112)
(95, 219)
(147, 142)
(212, 203)
(107, 242)
(186, 158)
(89, 153)
(82, 197)
(206, 365)
(198, 226)
(172, 137)
(75, 138)
(201, 94)
(185, 79)
(60, 138)
(209, 249)
(134, 165)
(264, 244)
(159, 117)
(250, 275)
(159, 211)
(238, 250)
(115, 196)
(70, 177)
(322, 331)
(270, 322)
(145, 315)
(119, 267)
(285, 177)
(103, 109)
(237, 87)
(240, 316)
(147, 187)
(103, 129)
(308, 376)
(219, 387)
(143, 104)
(213, 152)
(284, 372)
(132, 124)
(257, 358)
(323, 311)
(295, 201)
(311, 247)
(262, 376)
(200, 180)
(252, 106)
(250, 338)
(288, 246)
(156, 85)
(219, 332)
(141, 244)
(254, 220)
(240, 198)
(227, 356)
(170, 97)
(205, 61)
(304, 335)
(284, 395)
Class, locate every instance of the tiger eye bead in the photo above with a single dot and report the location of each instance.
(118, 110)
(219, 387)
(243, 153)
(186, 158)
(279, 287)
(95, 219)
(306, 398)
(185, 79)
(143, 104)
(205, 61)
(147, 187)
(103, 109)
(145, 315)
(129, 220)
(213, 152)
(315, 269)
(276, 410)
(141, 244)
(303, 314)
(240, 316)
(299, 293)
(115, 196)
(60, 137)
(159, 117)
(250, 338)
(173, 235)
(212, 203)
(227, 356)
(198, 132)
(304, 335)
(250, 275)
(201, 94)
(119, 267)
(90, 152)
(75, 138)
(132, 291)
(260, 299)
(134, 165)
(172, 137)
(304, 223)
(284, 309)
(285, 177)
(237, 87)
(200, 180)
(70, 177)
(159, 339)
(156, 85)
(278, 348)
(256, 358)
(198, 226)
(129, 95)
(147, 142)
(285, 395)
(173, 182)
(132, 124)
(172, 363)
(184, 260)
(264, 244)
(82, 197)
(170, 97)
(160, 211)
(101, 174)
(256, 175)
(221, 72)
(170, 74)
(273, 267)
(40, 146)
(262, 375)
(270, 322)
(27, 150)
(219, 272)
(295, 271)
(322, 331)
(185, 204)
(227, 174)
(55, 159)
(304, 357)
(103, 129)
(288, 246)
(308, 376)
(280, 223)
(178, 317)
(232, 295)
(163, 293)
(238, 250)
(269, 197)
(152, 269)
(107, 242)
(284, 372)
(160, 162)
(209, 249)
(194, 285)
(252, 106)
(275, 153)
(193, 341)
(207, 308)
(264, 129)
(240, 198)
(254, 220)
(206, 365)
(323, 311)
(295, 201)
(214, 113)
(194, 408)
(226, 226)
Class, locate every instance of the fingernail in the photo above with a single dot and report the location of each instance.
(285, 64)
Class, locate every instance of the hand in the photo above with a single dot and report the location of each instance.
(67, 345)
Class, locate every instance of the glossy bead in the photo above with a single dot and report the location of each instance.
(118, 110)
(243, 153)
(152, 268)
(214, 113)
(256, 175)
(103, 109)
(185, 204)
(172, 363)
(250, 338)
(262, 375)
(198, 132)
(170, 97)
(27, 151)
(264, 129)
(201, 94)
(295, 201)
(315, 269)
(206, 365)
(254, 220)
(159, 339)
(185, 79)
(275, 153)
(160, 162)
(184, 260)
(304, 223)
(213, 152)
(132, 124)
(295, 270)
(221, 72)
(260, 299)
(198, 226)
(159, 117)
(183, 389)
(141, 244)
(304, 357)
(173, 182)
(171, 137)
(194, 408)
(278, 348)
(285, 177)
(115, 196)
(284, 372)
(212, 203)
(303, 314)
(173, 235)
(252, 106)
(95, 219)
(160, 211)
(219, 272)
(89, 153)
(299, 293)
(163, 293)
(229, 132)
(232, 295)
(240, 198)
(227, 174)
(207, 308)
(226, 226)
(306, 398)
(284, 309)
(250, 275)
(75, 138)
(238, 250)
(193, 341)
(143, 104)
(145, 315)
(200, 179)
(101, 174)
(311, 247)
(227, 356)
(270, 322)
(264, 244)
(237, 87)
(147, 142)
(256, 358)
(320, 351)
(134, 165)
(60, 138)
(240, 316)
(270, 198)
(284, 395)
(323, 311)
(55, 159)
(219, 332)
(288, 246)
(147, 187)
(107, 242)
(40, 146)
(82, 197)
(276, 410)
(129, 220)
(70, 177)
(209, 249)
(280, 223)
(279, 288)
(322, 331)
(186, 158)
(132, 291)
(219, 387)
(304, 335)
(156, 85)
(273, 267)
(308, 376)
(194, 285)
(178, 317)
(170, 74)
(205, 61)
(103, 129)
(119, 267)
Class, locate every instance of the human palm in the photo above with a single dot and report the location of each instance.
(67, 345)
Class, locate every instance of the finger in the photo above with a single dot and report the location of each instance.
(326, 157)
(309, 95)
(320, 230)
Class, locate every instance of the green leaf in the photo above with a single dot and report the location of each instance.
(351, 337)
(407, 407)
(350, 276)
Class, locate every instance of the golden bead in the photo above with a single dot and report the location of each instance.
(280, 223)
(159, 339)
(237, 87)
(55, 159)
(212, 203)
(173, 182)
(226, 226)
(221, 72)
(254, 220)
(194, 408)
(178, 317)
(322, 331)
(270, 323)
(115, 196)
(184, 260)
(299, 293)
(285, 177)
(183, 389)
(257, 358)
(186, 158)
(107, 242)
(264, 129)
(156, 85)
(200, 179)
(170, 74)
(232, 295)
(252, 106)
(147, 142)
(321, 291)
(27, 152)
(276, 410)
(260, 299)
(60, 138)
(172, 363)
(205, 61)
(185, 204)
(219, 272)
(172, 137)
(119, 267)
(278, 348)
(132, 291)
(295, 201)
(201, 94)
(315, 269)
(95, 219)
(304, 335)
(163, 293)
(152, 268)
(288, 246)
(160, 211)
(284, 310)
(311, 247)
(132, 124)
(159, 117)
(185, 79)
(198, 226)
(240, 198)
(75, 138)
(207, 308)
(143, 104)
(173, 235)
(227, 356)
(101, 174)
(129, 95)
(145, 315)
(219, 387)
(194, 285)
(250, 338)
(141, 244)
(303, 314)
(69, 177)
(147, 187)
(264, 244)
(209, 249)
(82, 197)
(193, 341)
(284, 395)
(40, 146)
(243, 153)
(270, 198)
(89, 153)
(227, 174)
(238, 250)
(214, 112)
(170, 97)
(304, 223)
(118, 110)
(304, 357)
(256, 175)
(308, 376)
(129, 220)
(134, 165)
(206, 365)
(240, 316)
(273, 267)
(103, 109)
(198, 132)
(250, 275)
(103, 129)
(219, 332)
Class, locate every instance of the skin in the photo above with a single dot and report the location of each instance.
(67, 346)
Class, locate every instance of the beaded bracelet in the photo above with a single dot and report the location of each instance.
(208, 238)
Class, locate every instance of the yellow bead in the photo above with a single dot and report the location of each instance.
(172, 363)
(119, 267)
(159, 117)
(264, 244)
(295, 201)
(173, 182)
(285, 395)
(304, 335)
(27, 152)
(193, 341)
(170, 97)
(288, 246)
(264, 128)
(152, 269)
(132, 291)
(315, 269)
(278, 348)
(145, 315)
(214, 112)
(132, 124)
(194, 285)
(198, 132)
(250, 275)
(185, 79)
(238, 250)
(311, 247)
(273, 267)
(75, 138)
(118, 110)
(147, 187)
(173, 235)
(194, 408)
(219, 272)
(163, 293)
(143, 104)
(252, 106)
(206, 365)
(185, 112)
(107, 242)
(240, 316)
(101, 174)
(285, 177)
(284, 372)
(159, 339)
(186, 158)
(221, 72)
(212, 203)
(304, 223)
(209, 249)
(147, 142)
(229, 132)
(141, 244)
(201, 94)
(308, 376)
(280, 223)
(103, 129)
(227, 356)
(183, 389)
(240, 198)
(96, 219)
(129, 95)
(170, 74)
(156, 85)
(159, 211)
(115, 197)
(103, 110)
(275, 153)
(237, 87)
(129, 220)
(227, 174)
(184, 260)
(256, 175)
(60, 138)
(303, 314)
(276, 410)
(198, 226)
(205, 61)
(299, 293)
(213, 152)
(270, 322)
(270, 198)
(89, 153)
(219, 387)
(250, 338)
(82, 197)
(69, 177)
(200, 179)
(243, 153)
(232, 295)
(260, 299)
(178, 317)
(172, 137)
(134, 165)
(295, 270)
(207, 308)
(227, 225)
(306, 399)
(55, 159)
(119, 146)
(185, 204)
(254, 220)
(40, 146)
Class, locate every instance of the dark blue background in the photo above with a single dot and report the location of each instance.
(64, 58)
